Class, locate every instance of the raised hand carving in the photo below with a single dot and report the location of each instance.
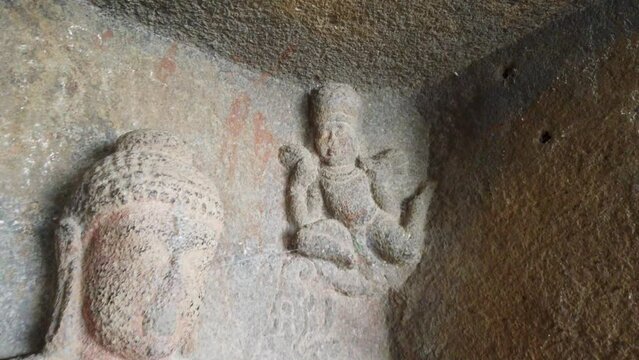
(359, 219)
(132, 249)
(382, 168)
(305, 200)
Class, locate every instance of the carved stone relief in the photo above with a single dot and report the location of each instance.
(347, 213)
(131, 251)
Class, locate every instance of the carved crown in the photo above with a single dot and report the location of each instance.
(336, 102)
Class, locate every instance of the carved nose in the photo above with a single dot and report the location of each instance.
(331, 138)
(331, 141)
(161, 319)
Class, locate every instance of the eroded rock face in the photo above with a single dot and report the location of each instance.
(535, 255)
(139, 232)
(94, 78)
(361, 42)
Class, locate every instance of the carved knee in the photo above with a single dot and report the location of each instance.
(391, 242)
(327, 240)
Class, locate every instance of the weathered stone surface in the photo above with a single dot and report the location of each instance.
(390, 43)
(344, 206)
(533, 250)
(132, 251)
(75, 80)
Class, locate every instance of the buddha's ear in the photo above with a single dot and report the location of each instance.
(66, 322)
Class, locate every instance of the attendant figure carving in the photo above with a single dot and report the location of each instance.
(341, 202)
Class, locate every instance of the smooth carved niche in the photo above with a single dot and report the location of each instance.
(349, 217)
(132, 249)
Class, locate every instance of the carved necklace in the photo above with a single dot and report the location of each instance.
(339, 173)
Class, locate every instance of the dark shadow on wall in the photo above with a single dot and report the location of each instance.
(45, 235)
(532, 249)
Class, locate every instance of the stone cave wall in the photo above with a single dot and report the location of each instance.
(397, 43)
(533, 251)
(74, 80)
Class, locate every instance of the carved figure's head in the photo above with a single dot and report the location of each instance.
(148, 222)
(336, 113)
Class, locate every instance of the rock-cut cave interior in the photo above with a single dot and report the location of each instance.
(304, 179)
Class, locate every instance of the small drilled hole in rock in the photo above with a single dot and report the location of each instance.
(545, 137)
(508, 72)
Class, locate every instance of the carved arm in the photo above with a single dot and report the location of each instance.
(304, 198)
(381, 169)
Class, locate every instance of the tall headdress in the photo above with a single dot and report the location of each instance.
(335, 102)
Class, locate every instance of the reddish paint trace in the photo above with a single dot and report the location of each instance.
(167, 66)
(107, 35)
(264, 76)
(263, 143)
(281, 59)
(101, 39)
(235, 124)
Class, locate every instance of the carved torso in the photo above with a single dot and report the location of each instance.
(348, 196)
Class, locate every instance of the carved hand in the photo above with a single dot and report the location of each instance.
(301, 162)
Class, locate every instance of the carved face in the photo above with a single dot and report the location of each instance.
(144, 279)
(336, 143)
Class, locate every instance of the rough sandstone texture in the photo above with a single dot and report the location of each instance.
(348, 215)
(132, 250)
(531, 252)
(399, 43)
(75, 80)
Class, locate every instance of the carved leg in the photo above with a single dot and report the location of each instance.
(391, 242)
(397, 244)
(327, 240)
(417, 212)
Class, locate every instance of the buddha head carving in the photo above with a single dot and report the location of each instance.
(132, 251)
